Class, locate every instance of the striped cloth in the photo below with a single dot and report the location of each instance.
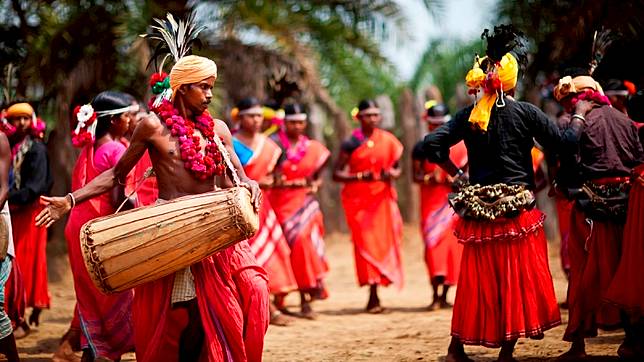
(5, 323)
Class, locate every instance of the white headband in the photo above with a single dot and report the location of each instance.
(370, 110)
(252, 110)
(296, 117)
(623, 93)
(111, 112)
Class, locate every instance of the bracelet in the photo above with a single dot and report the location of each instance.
(578, 116)
(359, 175)
(459, 173)
(72, 198)
(426, 178)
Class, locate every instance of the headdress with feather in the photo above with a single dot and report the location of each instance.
(175, 39)
(602, 39)
(505, 39)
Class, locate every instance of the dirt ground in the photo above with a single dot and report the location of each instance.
(342, 332)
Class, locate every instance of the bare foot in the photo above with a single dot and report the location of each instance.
(445, 305)
(281, 320)
(377, 309)
(34, 318)
(307, 312)
(572, 355)
(627, 351)
(457, 357)
(65, 353)
(436, 305)
(21, 331)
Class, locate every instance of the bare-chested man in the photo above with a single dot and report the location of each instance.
(218, 306)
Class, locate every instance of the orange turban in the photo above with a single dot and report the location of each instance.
(569, 85)
(508, 71)
(20, 109)
(191, 69)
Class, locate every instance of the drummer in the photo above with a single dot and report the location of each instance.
(239, 311)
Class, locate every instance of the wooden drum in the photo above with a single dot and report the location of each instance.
(138, 246)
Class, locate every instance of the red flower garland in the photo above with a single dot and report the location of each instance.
(83, 137)
(296, 153)
(202, 165)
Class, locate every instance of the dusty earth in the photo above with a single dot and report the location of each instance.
(342, 332)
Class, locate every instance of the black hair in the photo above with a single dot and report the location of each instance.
(615, 85)
(293, 108)
(248, 103)
(106, 101)
(576, 72)
(367, 103)
(438, 110)
(505, 39)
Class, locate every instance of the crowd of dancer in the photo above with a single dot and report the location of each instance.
(478, 172)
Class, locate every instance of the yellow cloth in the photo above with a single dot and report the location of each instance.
(508, 71)
(191, 69)
(569, 85)
(20, 109)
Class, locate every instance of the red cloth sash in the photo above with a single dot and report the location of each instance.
(372, 212)
(30, 244)
(147, 193)
(105, 319)
(442, 250)
(594, 250)
(301, 219)
(627, 286)
(269, 245)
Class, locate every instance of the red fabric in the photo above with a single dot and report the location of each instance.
(627, 287)
(30, 242)
(372, 212)
(233, 304)
(442, 250)
(105, 319)
(505, 288)
(594, 256)
(147, 193)
(301, 218)
(15, 298)
(269, 245)
(564, 209)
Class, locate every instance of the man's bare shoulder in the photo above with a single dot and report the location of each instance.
(222, 130)
(149, 125)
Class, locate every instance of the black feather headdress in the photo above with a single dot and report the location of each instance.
(175, 38)
(602, 39)
(504, 39)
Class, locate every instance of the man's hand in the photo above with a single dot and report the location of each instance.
(55, 208)
(583, 107)
(255, 192)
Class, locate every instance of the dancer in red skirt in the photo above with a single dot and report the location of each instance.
(442, 250)
(505, 286)
(609, 148)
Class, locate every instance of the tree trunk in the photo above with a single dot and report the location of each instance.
(407, 189)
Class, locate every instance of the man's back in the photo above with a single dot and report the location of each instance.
(609, 145)
(503, 153)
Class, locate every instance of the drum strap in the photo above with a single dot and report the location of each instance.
(232, 173)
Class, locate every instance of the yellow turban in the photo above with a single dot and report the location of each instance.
(508, 71)
(191, 69)
(20, 109)
(569, 85)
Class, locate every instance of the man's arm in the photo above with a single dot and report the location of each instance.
(56, 207)
(436, 145)
(5, 162)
